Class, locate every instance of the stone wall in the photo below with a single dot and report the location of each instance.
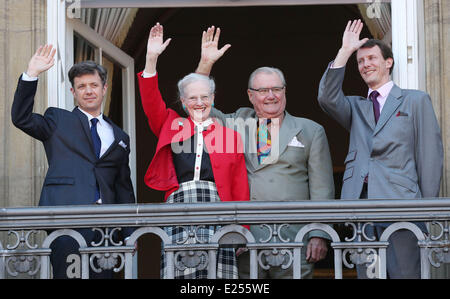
(22, 159)
(437, 32)
(437, 39)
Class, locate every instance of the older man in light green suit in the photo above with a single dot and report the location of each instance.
(298, 165)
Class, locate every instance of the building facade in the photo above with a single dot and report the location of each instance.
(419, 31)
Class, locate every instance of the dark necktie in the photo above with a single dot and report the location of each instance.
(376, 105)
(95, 137)
(376, 112)
(97, 146)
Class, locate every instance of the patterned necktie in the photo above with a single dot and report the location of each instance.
(264, 143)
(97, 146)
(376, 105)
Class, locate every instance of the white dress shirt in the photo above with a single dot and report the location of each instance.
(384, 92)
(25, 77)
(104, 130)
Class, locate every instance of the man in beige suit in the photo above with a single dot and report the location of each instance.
(291, 162)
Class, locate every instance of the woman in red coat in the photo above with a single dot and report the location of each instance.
(196, 159)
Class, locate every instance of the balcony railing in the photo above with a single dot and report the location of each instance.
(21, 255)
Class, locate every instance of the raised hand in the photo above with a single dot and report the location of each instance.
(210, 51)
(155, 46)
(350, 42)
(41, 61)
(210, 45)
(350, 39)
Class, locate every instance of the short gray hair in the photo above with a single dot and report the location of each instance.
(194, 77)
(266, 70)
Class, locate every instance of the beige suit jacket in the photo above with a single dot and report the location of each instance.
(300, 167)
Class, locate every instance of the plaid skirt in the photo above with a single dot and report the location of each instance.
(196, 192)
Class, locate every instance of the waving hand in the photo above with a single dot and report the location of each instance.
(210, 51)
(350, 42)
(41, 61)
(155, 46)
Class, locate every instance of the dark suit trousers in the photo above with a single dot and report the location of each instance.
(403, 252)
(63, 266)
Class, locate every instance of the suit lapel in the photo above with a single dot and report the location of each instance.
(366, 107)
(85, 125)
(288, 130)
(392, 102)
(117, 136)
(279, 140)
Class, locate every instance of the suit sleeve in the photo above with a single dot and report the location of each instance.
(223, 118)
(123, 185)
(124, 188)
(332, 99)
(38, 126)
(320, 168)
(320, 173)
(428, 148)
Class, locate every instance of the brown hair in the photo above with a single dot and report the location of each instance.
(85, 68)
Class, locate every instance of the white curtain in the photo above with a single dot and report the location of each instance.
(111, 23)
(377, 17)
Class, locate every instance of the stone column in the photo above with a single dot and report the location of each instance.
(437, 39)
(22, 159)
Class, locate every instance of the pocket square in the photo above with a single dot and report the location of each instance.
(295, 142)
(401, 113)
(122, 144)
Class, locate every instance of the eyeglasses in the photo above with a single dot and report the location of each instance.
(265, 91)
(203, 99)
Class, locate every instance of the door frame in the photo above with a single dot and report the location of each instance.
(60, 32)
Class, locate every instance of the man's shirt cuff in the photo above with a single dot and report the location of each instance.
(25, 77)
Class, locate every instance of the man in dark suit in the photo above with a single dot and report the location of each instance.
(87, 153)
(395, 149)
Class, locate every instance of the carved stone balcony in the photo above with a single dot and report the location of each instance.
(20, 253)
